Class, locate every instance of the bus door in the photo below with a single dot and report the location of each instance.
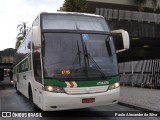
(36, 47)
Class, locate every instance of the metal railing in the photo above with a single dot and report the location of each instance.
(115, 14)
(145, 73)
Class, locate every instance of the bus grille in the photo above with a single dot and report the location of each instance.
(86, 90)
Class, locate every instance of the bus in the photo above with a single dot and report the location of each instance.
(68, 61)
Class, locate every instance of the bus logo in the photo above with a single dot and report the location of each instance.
(24, 65)
(103, 83)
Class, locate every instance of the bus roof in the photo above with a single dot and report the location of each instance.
(72, 13)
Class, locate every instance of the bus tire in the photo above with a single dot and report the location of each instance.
(17, 91)
(33, 105)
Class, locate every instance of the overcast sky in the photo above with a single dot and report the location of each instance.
(14, 11)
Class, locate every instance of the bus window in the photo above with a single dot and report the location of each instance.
(37, 64)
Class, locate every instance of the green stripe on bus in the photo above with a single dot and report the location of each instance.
(58, 83)
(54, 82)
(98, 82)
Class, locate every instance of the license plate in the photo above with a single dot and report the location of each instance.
(88, 100)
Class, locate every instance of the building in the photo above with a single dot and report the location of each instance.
(121, 5)
(140, 64)
(6, 56)
(6, 62)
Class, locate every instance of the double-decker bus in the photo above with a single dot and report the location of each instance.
(68, 61)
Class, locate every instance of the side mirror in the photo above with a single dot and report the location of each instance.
(36, 36)
(122, 38)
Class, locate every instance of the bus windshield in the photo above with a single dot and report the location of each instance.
(78, 56)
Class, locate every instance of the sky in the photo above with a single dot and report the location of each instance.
(13, 12)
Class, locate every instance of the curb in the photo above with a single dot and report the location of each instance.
(137, 107)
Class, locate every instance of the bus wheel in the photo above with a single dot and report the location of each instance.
(34, 106)
(18, 93)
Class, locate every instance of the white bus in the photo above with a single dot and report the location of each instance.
(68, 61)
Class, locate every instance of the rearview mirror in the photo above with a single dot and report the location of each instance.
(121, 38)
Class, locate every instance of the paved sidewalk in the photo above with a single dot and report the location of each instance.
(141, 97)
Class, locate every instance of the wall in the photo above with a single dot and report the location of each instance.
(124, 2)
(7, 59)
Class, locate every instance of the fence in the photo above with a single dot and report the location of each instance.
(141, 73)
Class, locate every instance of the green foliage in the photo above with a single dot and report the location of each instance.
(18, 42)
(154, 4)
(75, 5)
(158, 8)
(22, 29)
(140, 4)
(22, 33)
(141, 1)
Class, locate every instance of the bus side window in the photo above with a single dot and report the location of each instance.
(37, 64)
(36, 22)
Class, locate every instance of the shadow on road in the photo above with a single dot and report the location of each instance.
(2, 87)
(5, 84)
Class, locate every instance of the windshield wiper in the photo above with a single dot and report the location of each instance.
(43, 44)
(77, 58)
(79, 53)
(108, 46)
(89, 57)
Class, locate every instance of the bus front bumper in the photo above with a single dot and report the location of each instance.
(62, 101)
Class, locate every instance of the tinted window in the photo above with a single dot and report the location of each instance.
(36, 22)
(85, 55)
(61, 50)
(37, 62)
(24, 48)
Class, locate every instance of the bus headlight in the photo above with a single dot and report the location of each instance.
(113, 86)
(12, 82)
(54, 89)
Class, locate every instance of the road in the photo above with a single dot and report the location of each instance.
(10, 101)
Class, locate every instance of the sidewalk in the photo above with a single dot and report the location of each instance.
(141, 97)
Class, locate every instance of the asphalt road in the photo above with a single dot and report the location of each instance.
(10, 101)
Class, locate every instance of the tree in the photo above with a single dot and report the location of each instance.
(158, 8)
(154, 4)
(18, 42)
(74, 5)
(140, 4)
(23, 29)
